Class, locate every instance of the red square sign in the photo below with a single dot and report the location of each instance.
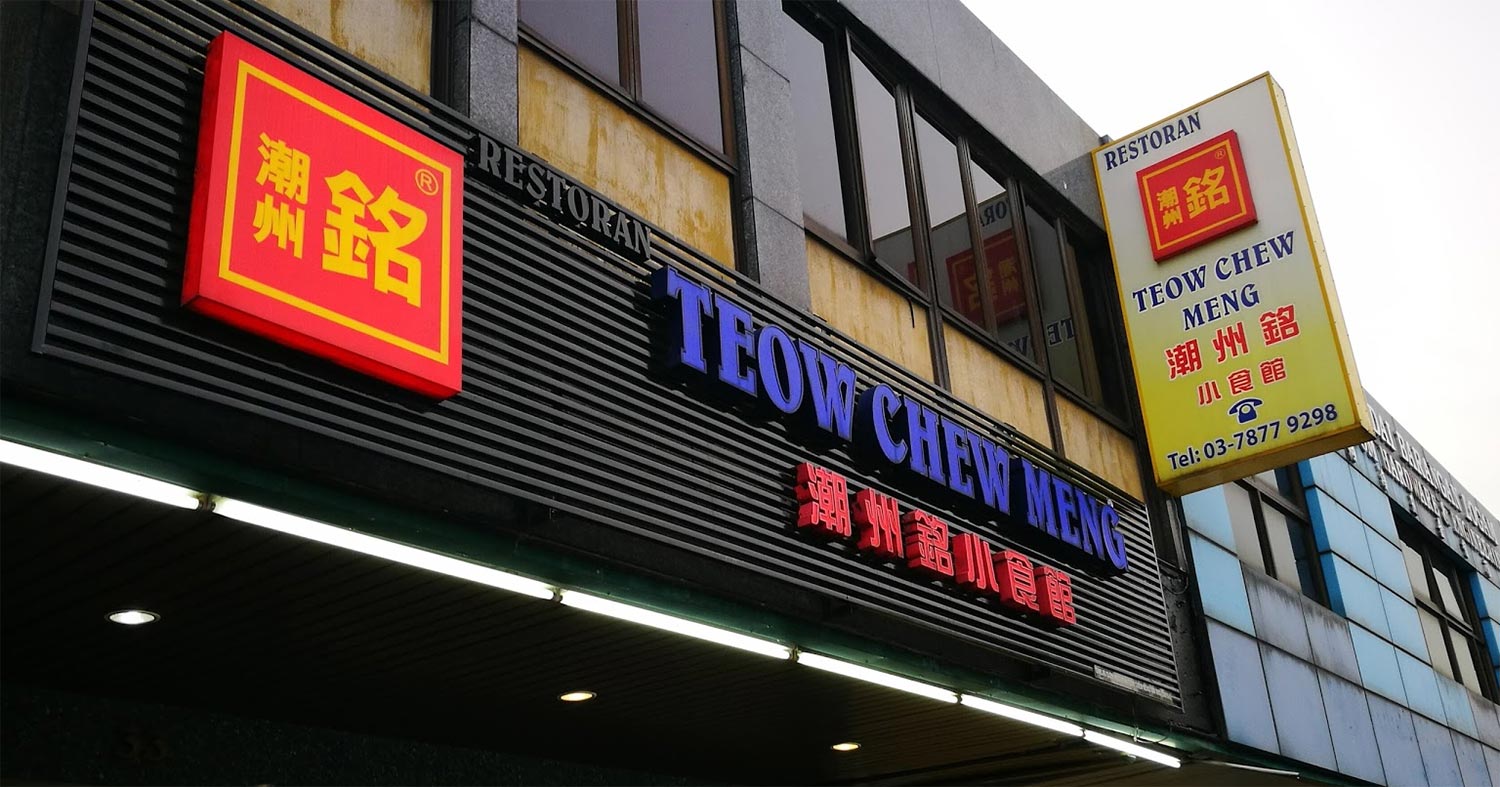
(325, 225)
(1196, 196)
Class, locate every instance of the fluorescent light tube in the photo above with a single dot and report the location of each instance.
(877, 677)
(122, 481)
(1020, 714)
(1131, 749)
(378, 547)
(646, 617)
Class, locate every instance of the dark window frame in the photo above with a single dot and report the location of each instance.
(913, 101)
(1291, 505)
(628, 92)
(1435, 558)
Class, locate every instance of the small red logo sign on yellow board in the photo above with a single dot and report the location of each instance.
(325, 225)
(1196, 196)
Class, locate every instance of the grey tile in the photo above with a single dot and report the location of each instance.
(904, 26)
(1332, 649)
(758, 23)
(1297, 705)
(498, 15)
(1277, 611)
(1397, 737)
(1354, 743)
(1438, 757)
(966, 50)
(1242, 688)
(1471, 762)
(768, 138)
(1076, 181)
(1485, 719)
(780, 249)
(1492, 758)
(485, 81)
(1037, 125)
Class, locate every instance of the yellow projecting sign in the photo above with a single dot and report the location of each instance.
(1241, 360)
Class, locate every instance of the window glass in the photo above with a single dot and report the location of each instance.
(1464, 669)
(1057, 315)
(1097, 279)
(1432, 631)
(1306, 556)
(1416, 571)
(885, 175)
(1291, 559)
(1448, 591)
(817, 145)
(952, 247)
(1242, 519)
(1002, 260)
(680, 66)
(586, 30)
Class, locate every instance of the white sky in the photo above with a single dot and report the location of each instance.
(1396, 107)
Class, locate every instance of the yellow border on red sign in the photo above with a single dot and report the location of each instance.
(1239, 184)
(241, 82)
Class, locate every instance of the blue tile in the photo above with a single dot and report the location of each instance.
(1421, 688)
(1221, 584)
(1354, 744)
(1491, 631)
(1486, 596)
(1486, 719)
(1397, 737)
(1389, 566)
(1297, 705)
(1471, 762)
(1242, 688)
(1438, 757)
(1353, 594)
(1406, 629)
(1378, 670)
(1333, 475)
(1374, 507)
(1278, 614)
(1338, 530)
(1456, 708)
(1331, 647)
(1207, 514)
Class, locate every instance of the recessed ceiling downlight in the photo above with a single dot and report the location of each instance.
(845, 746)
(577, 696)
(134, 617)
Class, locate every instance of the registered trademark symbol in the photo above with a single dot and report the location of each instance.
(427, 182)
(1218, 154)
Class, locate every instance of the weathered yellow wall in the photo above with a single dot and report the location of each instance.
(995, 386)
(592, 138)
(395, 36)
(870, 312)
(1100, 448)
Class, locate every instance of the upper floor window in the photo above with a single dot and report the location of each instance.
(661, 54)
(877, 158)
(1446, 611)
(1271, 529)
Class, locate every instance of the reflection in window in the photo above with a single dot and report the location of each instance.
(680, 66)
(585, 30)
(817, 145)
(1058, 330)
(1271, 531)
(885, 175)
(1096, 279)
(1242, 521)
(1003, 261)
(952, 246)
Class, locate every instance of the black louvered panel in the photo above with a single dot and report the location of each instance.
(561, 405)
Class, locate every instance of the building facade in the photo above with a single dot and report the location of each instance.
(1348, 604)
(792, 439)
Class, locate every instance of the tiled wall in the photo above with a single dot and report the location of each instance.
(1349, 689)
